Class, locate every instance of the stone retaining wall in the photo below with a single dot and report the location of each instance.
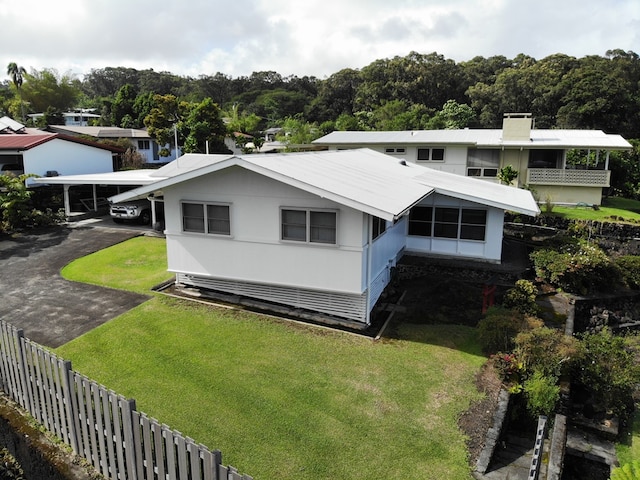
(39, 458)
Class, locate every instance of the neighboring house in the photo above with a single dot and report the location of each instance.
(79, 118)
(561, 166)
(139, 139)
(320, 231)
(33, 151)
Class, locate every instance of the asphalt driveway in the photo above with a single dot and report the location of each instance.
(33, 295)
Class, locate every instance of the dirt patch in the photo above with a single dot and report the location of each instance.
(478, 419)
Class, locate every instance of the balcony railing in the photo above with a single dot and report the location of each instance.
(578, 178)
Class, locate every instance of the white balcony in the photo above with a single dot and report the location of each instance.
(569, 177)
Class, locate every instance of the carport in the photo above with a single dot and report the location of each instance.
(122, 180)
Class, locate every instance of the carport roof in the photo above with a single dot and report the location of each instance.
(125, 177)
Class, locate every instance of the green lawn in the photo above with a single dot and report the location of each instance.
(284, 400)
(612, 209)
(629, 449)
(136, 265)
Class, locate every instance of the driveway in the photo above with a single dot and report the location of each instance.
(33, 295)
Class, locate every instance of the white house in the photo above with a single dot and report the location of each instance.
(33, 151)
(562, 166)
(319, 231)
(139, 139)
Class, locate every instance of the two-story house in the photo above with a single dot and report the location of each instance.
(560, 166)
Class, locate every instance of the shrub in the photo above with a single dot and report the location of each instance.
(499, 327)
(608, 370)
(542, 393)
(579, 267)
(16, 206)
(9, 466)
(547, 350)
(507, 174)
(629, 266)
(508, 366)
(522, 297)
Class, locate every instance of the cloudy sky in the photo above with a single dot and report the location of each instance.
(300, 37)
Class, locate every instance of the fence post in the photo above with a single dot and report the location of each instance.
(25, 400)
(72, 413)
(128, 406)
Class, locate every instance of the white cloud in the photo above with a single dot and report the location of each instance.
(293, 37)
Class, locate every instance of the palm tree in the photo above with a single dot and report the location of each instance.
(16, 73)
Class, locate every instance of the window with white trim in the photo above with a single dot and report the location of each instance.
(483, 162)
(144, 145)
(430, 154)
(210, 218)
(308, 225)
(448, 222)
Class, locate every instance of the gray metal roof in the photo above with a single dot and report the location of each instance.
(479, 138)
(363, 179)
(101, 132)
(11, 124)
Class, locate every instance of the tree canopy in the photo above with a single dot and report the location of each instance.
(411, 92)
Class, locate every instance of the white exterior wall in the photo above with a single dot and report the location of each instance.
(386, 249)
(490, 250)
(455, 157)
(67, 158)
(254, 251)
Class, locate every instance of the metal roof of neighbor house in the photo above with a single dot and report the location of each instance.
(32, 137)
(482, 138)
(7, 123)
(363, 179)
(101, 132)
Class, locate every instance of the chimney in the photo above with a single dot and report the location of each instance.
(516, 126)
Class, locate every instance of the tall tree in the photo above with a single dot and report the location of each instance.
(17, 77)
(163, 122)
(46, 89)
(194, 124)
(205, 128)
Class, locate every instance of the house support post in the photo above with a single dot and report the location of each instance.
(67, 201)
(369, 266)
(95, 198)
(153, 211)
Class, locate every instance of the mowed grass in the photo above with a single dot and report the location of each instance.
(628, 449)
(136, 265)
(612, 209)
(289, 401)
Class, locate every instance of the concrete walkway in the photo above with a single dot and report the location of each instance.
(33, 295)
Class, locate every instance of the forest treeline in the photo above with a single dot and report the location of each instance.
(417, 91)
(411, 92)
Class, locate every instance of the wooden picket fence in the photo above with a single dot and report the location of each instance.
(103, 427)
